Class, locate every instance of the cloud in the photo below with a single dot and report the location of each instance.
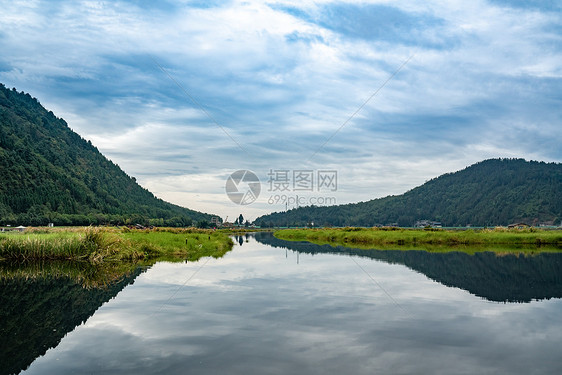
(281, 77)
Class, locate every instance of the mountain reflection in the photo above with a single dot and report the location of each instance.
(41, 303)
(495, 277)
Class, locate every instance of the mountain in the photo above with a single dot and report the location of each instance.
(49, 174)
(488, 193)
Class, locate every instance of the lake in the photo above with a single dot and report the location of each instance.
(275, 307)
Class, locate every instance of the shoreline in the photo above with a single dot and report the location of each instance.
(520, 240)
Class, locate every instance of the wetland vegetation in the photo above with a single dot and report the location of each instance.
(497, 239)
(98, 244)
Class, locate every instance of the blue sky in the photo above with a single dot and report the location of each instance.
(484, 80)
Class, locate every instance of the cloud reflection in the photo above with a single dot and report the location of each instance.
(257, 311)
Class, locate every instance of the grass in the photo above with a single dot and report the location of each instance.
(97, 257)
(190, 244)
(96, 245)
(498, 239)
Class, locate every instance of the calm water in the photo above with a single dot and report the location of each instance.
(266, 309)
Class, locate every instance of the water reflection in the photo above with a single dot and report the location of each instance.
(256, 311)
(500, 278)
(41, 302)
(243, 238)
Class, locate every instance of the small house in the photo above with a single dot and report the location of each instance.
(518, 225)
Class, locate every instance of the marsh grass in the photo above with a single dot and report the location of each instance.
(100, 257)
(97, 245)
(498, 240)
(90, 244)
(190, 244)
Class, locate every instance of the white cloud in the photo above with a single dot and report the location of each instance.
(281, 84)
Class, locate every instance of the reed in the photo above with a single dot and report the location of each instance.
(97, 245)
(26, 247)
(414, 238)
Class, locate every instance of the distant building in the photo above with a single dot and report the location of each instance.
(428, 223)
(215, 220)
(518, 225)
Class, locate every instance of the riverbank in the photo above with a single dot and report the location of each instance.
(420, 238)
(100, 244)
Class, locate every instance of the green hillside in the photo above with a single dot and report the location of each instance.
(491, 192)
(49, 174)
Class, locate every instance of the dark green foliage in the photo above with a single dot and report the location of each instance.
(492, 192)
(48, 173)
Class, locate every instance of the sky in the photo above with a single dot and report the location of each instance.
(379, 95)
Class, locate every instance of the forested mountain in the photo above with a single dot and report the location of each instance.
(49, 174)
(488, 193)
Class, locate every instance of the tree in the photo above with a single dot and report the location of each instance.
(203, 224)
(42, 172)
